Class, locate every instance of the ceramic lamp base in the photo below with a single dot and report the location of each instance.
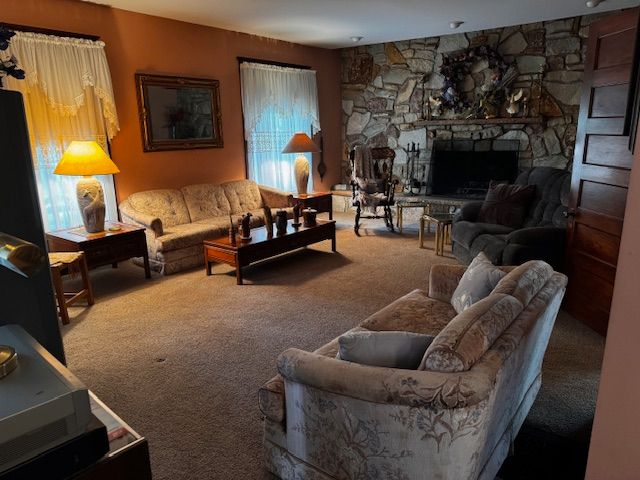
(301, 173)
(91, 203)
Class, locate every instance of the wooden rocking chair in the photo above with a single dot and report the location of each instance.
(372, 183)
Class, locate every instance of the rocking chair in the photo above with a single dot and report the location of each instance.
(372, 183)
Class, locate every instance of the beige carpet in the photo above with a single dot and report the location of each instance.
(181, 358)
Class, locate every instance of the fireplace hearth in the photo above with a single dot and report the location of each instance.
(457, 170)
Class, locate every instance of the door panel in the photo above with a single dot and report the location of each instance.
(601, 166)
(609, 151)
(610, 101)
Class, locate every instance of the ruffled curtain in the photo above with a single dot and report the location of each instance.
(276, 103)
(68, 96)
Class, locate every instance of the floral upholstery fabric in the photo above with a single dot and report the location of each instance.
(415, 312)
(243, 196)
(443, 281)
(348, 421)
(206, 200)
(470, 334)
(167, 205)
(275, 198)
(525, 281)
(186, 235)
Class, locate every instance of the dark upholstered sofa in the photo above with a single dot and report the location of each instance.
(543, 233)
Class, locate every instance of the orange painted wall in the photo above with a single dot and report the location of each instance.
(143, 43)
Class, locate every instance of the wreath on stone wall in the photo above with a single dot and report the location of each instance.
(456, 67)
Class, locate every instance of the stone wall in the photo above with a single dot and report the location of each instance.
(386, 87)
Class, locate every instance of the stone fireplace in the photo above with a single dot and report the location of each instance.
(386, 88)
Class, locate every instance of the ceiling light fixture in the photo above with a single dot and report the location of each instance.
(356, 39)
(455, 24)
(593, 3)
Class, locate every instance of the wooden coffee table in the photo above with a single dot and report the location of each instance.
(262, 246)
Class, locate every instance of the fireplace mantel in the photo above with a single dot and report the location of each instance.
(479, 121)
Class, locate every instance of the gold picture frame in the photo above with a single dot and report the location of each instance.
(178, 113)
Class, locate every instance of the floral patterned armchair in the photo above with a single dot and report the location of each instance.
(326, 418)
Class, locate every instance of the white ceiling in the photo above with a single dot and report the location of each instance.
(331, 23)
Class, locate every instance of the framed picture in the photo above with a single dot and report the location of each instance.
(179, 113)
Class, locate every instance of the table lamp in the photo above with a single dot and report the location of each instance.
(87, 159)
(301, 143)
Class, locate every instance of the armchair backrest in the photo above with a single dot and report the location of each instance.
(552, 196)
(372, 169)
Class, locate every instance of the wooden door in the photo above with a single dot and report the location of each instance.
(601, 167)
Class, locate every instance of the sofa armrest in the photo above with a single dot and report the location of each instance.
(271, 399)
(130, 215)
(468, 212)
(274, 198)
(415, 388)
(443, 280)
(538, 235)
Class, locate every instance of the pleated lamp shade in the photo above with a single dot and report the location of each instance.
(85, 158)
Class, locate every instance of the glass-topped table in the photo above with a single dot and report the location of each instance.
(429, 204)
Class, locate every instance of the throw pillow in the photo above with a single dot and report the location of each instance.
(384, 349)
(506, 204)
(477, 282)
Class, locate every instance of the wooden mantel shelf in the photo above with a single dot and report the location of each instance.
(478, 121)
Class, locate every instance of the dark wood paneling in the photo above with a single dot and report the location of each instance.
(601, 198)
(611, 151)
(616, 48)
(599, 221)
(597, 244)
(610, 101)
(602, 174)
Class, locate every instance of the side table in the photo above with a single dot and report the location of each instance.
(443, 223)
(320, 201)
(118, 242)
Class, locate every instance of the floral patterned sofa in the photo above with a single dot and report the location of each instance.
(177, 221)
(326, 418)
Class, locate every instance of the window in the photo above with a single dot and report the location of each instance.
(276, 102)
(67, 96)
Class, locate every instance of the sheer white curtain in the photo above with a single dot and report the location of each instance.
(276, 102)
(68, 96)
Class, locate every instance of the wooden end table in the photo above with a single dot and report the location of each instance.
(263, 246)
(443, 223)
(103, 248)
(320, 201)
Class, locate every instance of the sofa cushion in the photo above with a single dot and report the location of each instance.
(167, 205)
(415, 312)
(465, 232)
(525, 281)
(470, 334)
(384, 349)
(507, 204)
(243, 196)
(477, 282)
(492, 245)
(187, 235)
(206, 200)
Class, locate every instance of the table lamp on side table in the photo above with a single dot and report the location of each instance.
(88, 159)
(301, 143)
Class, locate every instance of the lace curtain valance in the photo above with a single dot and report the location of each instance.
(290, 91)
(66, 70)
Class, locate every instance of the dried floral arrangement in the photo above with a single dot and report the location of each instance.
(457, 66)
